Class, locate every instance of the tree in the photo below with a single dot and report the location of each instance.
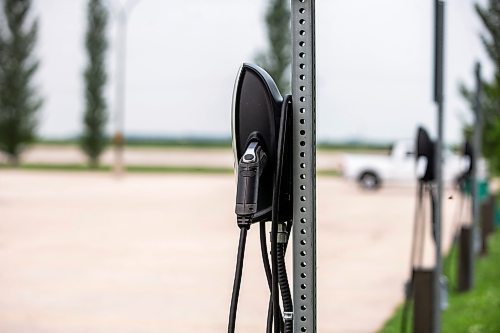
(93, 140)
(490, 103)
(276, 60)
(19, 101)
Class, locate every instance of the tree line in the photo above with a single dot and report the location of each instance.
(19, 98)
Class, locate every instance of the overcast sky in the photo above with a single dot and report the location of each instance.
(374, 66)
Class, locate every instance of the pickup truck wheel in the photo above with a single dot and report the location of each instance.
(369, 181)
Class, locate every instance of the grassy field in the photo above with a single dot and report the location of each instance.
(477, 311)
(107, 168)
(191, 143)
(136, 169)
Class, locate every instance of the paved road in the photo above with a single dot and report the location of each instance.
(87, 253)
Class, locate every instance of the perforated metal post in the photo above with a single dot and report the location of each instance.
(476, 144)
(304, 168)
(439, 99)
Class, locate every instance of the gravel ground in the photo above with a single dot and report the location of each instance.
(89, 253)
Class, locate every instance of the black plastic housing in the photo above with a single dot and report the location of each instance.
(468, 151)
(425, 147)
(257, 116)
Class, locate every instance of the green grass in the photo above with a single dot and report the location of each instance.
(210, 143)
(328, 173)
(354, 147)
(137, 169)
(151, 143)
(477, 311)
(131, 168)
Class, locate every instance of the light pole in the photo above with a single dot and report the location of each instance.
(121, 10)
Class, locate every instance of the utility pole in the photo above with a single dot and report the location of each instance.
(121, 12)
(304, 164)
(439, 11)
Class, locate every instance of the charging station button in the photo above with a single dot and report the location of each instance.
(249, 157)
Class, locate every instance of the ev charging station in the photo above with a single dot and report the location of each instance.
(274, 143)
(464, 232)
(420, 286)
(426, 287)
(470, 235)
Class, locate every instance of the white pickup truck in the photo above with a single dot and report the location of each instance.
(372, 170)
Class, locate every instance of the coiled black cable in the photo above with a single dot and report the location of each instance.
(285, 287)
(267, 269)
(237, 280)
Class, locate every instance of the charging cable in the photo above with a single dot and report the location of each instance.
(250, 168)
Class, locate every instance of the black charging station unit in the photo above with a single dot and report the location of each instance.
(262, 144)
(275, 159)
(465, 238)
(419, 289)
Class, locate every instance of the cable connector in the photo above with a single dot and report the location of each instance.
(282, 234)
(250, 168)
(244, 221)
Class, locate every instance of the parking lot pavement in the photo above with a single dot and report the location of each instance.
(89, 253)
